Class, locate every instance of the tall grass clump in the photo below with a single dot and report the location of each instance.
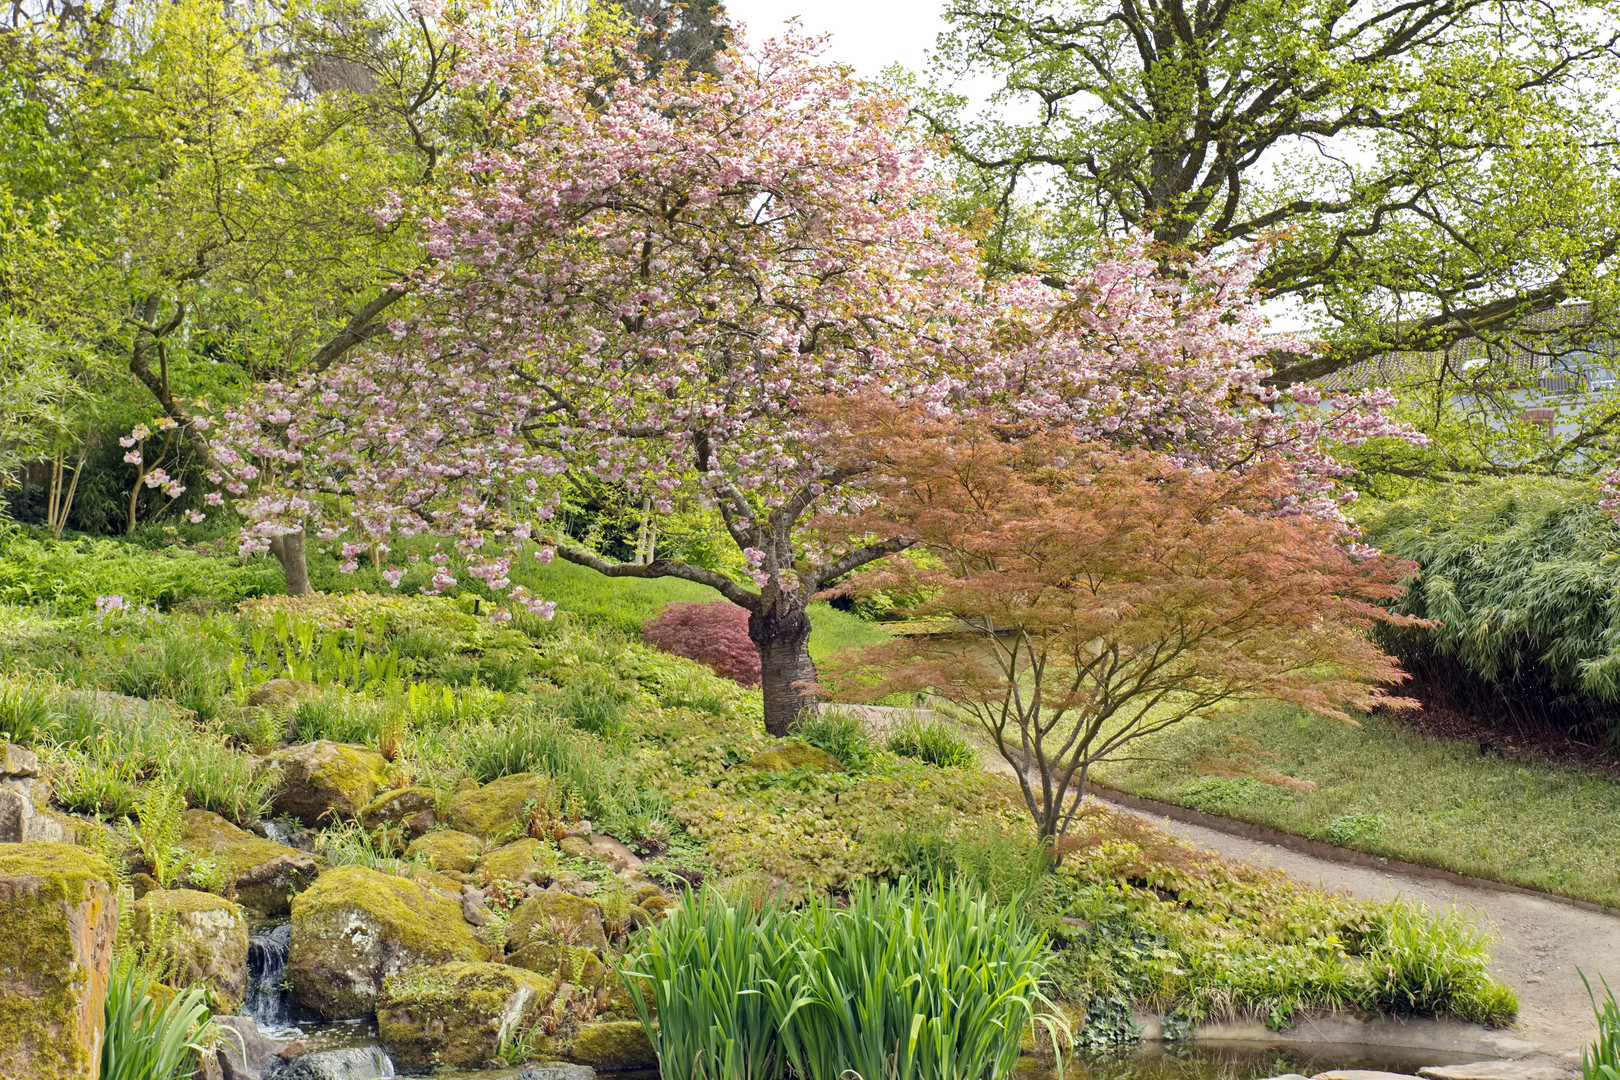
(841, 734)
(25, 709)
(150, 1038)
(1417, 961)
(1601, 1060)
(703, 973)
(903, 984)
(933, 742)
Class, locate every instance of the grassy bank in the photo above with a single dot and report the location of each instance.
(1385, 789)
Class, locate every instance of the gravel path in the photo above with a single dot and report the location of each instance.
(1540, 940)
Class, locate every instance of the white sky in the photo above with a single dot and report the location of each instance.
(869, 35)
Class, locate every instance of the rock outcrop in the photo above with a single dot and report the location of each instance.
(264, 874)
(355, 927)
(456, 1014)
(204, 936)
(495, 808)
(58, 922)
(322, 782)
(410, 808)
(516, 859)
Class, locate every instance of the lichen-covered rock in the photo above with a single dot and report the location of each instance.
(515, 859)
(793, 755)
(355, 927)
(202, 935)
(265, 874)
(244, 1052)
(58, 923)
(556, 918)
(19, 772)
(575, 847)
(613, 1046)
(16, 812)
(456, 1014)
(325, 781)
(448, 850)
(495, 808)
(281, 693)
(557, 1072)
(411, 808)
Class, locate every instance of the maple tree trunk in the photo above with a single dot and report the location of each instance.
(787, 674)
(289, 552)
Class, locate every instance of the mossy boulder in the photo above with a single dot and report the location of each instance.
(793, 755)
(495, 808)
(515, 859)
(456, 1014)
(325, 781)
(449, 850)
(58, 923)
(410, 808)
(203, 936)
(556, 918)
(283, 693)
(264, 874)
(613, 1046)
(355, 927)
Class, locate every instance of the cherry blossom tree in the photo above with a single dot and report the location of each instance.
(663, 279)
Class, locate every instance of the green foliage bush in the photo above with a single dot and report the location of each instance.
(1522, 580)
(933, 741)
(841, 734)
(903, 983)
(1432, 964)
(70, 574)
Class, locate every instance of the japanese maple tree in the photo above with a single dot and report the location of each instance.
(1103, 596)
(667, 279)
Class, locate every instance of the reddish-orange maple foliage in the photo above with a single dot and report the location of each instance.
(1100, 597)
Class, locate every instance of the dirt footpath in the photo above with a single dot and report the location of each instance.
(1540, 941)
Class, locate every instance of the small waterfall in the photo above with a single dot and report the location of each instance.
(267, 1001)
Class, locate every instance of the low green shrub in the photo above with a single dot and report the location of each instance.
(932, 741)
(904, 983)
(1432, 964)
(1348, 829)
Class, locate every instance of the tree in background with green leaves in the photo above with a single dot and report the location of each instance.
(1436, 172)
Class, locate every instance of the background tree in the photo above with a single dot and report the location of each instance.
(692, 33)
(1443, 170)
(1105, 596)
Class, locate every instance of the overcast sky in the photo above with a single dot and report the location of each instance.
(869, 35)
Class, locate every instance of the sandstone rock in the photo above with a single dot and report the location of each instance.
(17, 762)
(556, 918)
(16, 812)
(448, 850)
(613, 1046)
(495, 808)
(1542, 1069)
(244, 1052)
(354, 1063)
(456, 1014)
(203, 935)
(355, 927)
(58, 922)
(265, 874)
(411, 808)
(326, 781)
(612, 852)
(511, 862)
(283, 692)
(793, 755)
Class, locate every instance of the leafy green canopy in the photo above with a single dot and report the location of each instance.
(1427, 162)
(1522, 578)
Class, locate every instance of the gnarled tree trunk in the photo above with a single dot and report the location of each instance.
(787, 674)
(289, 552)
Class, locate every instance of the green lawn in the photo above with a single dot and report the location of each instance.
(627, 603)
(1384, 789)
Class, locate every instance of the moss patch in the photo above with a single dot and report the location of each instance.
(355, 927)
(203, 935)
(456, 1014)
(323, 781)
(794, 755)
(265, 874)
(495, 808)
(510, 862)
(613, 1046)
(449, 850)
(554, 918)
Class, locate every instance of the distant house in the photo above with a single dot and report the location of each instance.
(1545, 372)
